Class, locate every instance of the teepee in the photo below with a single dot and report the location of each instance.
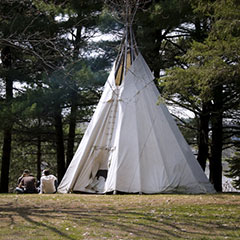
(133, 144)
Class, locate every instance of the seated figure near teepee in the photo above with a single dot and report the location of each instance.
(133, 144)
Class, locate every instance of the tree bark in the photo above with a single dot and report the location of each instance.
(39, 150)
(203, 136)
(6, 159)
(157, 46)
(217, 142)
(7, 138)
(74, 95)
(39, 156)
(72, 128)
(60, 143)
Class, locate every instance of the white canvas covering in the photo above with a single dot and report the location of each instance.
(137, 141)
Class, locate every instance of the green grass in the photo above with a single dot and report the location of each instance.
(75, 216)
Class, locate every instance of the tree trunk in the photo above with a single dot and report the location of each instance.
(216, 146)
(6, 159)
(72, 128)
(157, 46)
(7, 138)
(73, 114)
(203, 136)
(60, 143)
(39, 156)
(39, 150)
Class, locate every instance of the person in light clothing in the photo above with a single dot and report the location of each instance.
(48, 182)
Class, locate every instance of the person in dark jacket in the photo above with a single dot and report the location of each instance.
(27, 184)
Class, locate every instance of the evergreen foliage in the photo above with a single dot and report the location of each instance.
(211, 74)
(234, 169)
(52, 71)
(50, 51)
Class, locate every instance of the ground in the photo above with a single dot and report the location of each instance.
(161, 216)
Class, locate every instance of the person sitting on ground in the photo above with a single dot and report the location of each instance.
(26, 171)
(48, 182)
(27, 184)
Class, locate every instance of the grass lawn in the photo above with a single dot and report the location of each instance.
(75, 216)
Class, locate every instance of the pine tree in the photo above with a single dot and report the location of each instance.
(212, 74)
(234, 169)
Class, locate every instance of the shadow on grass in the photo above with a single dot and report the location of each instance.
(124, 221)
(83, 218)
(28, 215)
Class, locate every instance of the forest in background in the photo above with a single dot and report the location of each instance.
(54, 63)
